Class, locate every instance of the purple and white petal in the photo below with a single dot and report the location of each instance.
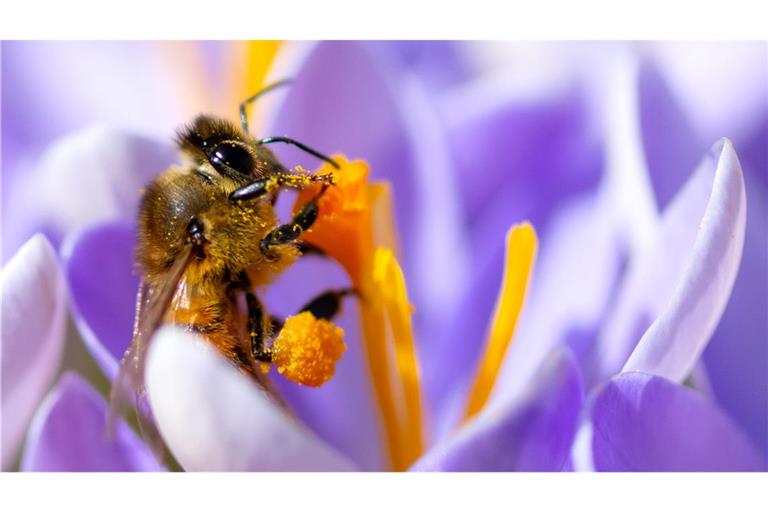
(103, 283)
(679, 281)
(528, 432)
(640, 422)
(90, 176)
(34, 303)
(68, 434)
(673, 343)
(213, 418)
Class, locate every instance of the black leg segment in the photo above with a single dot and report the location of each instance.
(327, 304)
(287, 233)
(256, 328)
(252, 190)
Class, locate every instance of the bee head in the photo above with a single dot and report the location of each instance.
(223, 145)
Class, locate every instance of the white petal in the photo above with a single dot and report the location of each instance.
(673, 343)
(213, 418)
(89, 176)
(33, 309)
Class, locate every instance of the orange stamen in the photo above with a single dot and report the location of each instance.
(520, 255)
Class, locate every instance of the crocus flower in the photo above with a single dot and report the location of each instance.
(638, 252)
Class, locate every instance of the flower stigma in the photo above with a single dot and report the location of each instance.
(356, 228)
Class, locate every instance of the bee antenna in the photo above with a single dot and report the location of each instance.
(302, 146)
(251, 99)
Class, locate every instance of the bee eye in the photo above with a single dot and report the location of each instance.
(233, 156)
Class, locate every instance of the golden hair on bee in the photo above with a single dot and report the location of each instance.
(208, 235)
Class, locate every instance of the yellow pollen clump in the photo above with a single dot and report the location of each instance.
(306, 349)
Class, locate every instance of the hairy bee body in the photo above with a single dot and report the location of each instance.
(208, 238)
(205, 300)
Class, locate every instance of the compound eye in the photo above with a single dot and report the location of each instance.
(232, 155)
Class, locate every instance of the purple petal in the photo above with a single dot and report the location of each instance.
(103, 283)
(213, 418)
(672, 146)
(530, 433)
(440, 64)
(91, 176)
(517, 158)
(641, 422)
(33, 310)
(674, 341)
(68, 434)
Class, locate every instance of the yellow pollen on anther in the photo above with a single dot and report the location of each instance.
(520, 255)
(306, 349)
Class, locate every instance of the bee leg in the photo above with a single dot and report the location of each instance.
(276, 322)
(327, 304)
(256, 320)
(253, 190)
(287, 233)
(307, 248)
(256, 329)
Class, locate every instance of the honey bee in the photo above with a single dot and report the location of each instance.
(208, 234)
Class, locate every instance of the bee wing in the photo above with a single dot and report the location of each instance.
(151, 305)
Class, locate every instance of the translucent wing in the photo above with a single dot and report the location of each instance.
(151, 306)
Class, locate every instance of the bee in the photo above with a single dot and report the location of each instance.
(208, 235)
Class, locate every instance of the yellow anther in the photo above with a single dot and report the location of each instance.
(306, 349)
